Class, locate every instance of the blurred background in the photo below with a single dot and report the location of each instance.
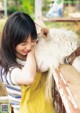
(43, 9)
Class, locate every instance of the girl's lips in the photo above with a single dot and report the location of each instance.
(26, 52)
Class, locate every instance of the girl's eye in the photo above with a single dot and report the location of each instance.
(23, 44)
(34, 41)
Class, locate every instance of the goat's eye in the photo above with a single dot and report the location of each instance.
(37, 40)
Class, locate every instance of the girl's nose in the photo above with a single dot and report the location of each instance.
(28, 47)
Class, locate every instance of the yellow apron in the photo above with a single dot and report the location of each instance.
(33, 97)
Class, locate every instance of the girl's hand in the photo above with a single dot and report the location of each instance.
(31, 54)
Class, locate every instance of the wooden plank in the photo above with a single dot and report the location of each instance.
(72, 78)
(64, 89)
(62, 19)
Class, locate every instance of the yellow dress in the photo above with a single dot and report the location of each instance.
(33, 97)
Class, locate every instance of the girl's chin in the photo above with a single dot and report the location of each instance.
(21, 56)
(24, 54)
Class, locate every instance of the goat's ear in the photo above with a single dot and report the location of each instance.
(44, 31)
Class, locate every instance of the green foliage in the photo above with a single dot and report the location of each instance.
(27, 6)
(12, 10)
(66, 1)
(22, 5)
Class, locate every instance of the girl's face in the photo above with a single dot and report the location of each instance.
(23, 48)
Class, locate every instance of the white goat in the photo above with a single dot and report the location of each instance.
(53, 47)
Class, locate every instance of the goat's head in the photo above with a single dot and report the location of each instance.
(53, 46)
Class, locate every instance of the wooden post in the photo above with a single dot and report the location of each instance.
(38, 8)
(5, 8)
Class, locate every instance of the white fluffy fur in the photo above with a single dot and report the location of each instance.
(50, 51)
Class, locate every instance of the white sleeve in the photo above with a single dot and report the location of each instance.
(14, 74)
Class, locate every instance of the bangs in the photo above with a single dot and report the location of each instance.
(23, 31)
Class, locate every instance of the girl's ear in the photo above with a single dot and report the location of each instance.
(44, 31)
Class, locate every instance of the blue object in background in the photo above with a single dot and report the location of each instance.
(55, 11)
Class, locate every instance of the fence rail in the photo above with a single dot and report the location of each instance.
(66, 91)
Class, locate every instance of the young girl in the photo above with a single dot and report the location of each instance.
(19, 38)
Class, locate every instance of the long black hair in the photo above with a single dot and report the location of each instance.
(17, 29)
